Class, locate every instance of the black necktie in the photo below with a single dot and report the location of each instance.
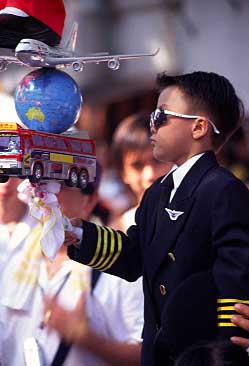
(166, 188)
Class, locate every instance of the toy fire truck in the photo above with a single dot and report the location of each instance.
(40, 156)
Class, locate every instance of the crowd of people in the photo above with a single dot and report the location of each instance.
(165, 283)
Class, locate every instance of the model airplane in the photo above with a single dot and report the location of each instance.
(33, 53)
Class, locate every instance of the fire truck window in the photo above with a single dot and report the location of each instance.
(9, 143)
(87, 147)
(13, 144)
(49, 141)
(37, 140)
(61, 144)
(4, 141)
(75, 145)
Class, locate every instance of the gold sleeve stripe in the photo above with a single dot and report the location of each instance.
(97, 248)
(105, 258)
(225, 316)
(226, 325)
(104, 247)
(223, 301)
(117, 254)
(225, 308)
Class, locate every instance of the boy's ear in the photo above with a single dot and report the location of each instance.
(200, 128)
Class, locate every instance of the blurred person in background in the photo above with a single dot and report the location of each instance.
(27, 276)
(115, 195)
(109, 316)
(108, 320)
(101, 324)
(134, 161)
(15, 221)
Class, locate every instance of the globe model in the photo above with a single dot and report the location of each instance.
(48, 100)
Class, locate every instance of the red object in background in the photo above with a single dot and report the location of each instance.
(50, 12)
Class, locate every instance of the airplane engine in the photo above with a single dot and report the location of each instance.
(113, 64)
(78, 66)
(3, 65)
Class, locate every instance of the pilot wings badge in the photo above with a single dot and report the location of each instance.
(173, 215)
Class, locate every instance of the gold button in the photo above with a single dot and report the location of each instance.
(172, 256)
(163, 290)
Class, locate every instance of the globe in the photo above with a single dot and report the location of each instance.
(48, 100)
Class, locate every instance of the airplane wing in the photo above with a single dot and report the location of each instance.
(6, 60)
(78, 62)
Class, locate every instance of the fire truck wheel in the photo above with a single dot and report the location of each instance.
(37, 173)
(83, 179)
(73, 178)
(4, 179)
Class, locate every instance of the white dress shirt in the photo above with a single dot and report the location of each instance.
(180, 172)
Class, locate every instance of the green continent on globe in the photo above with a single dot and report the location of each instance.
(35, 113)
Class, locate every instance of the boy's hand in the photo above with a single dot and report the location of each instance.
(73, 232)
(70, 238)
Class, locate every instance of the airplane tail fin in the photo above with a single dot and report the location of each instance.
(70, 42)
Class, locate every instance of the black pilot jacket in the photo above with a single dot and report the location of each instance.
(209, 236)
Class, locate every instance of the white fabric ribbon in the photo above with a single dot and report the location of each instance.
(44, 206)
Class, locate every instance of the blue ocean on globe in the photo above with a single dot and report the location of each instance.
(48, 100)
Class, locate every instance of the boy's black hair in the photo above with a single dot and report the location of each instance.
(212, 93)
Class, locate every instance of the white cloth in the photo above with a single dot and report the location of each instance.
(44, 206)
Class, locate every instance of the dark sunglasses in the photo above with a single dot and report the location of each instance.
(159, 117)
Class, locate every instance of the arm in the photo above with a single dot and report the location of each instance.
(113, 251)
(114, 352)
(76, 329)
(230, 225)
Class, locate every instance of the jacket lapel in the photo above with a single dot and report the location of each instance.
(168, 227)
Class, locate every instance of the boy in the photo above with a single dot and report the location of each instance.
(191, 234)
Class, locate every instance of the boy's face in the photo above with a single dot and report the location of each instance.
(140, 169)
(173, 140)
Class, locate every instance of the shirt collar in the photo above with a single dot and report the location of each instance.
(180, 172)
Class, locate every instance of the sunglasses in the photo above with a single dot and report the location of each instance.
(159, 117)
